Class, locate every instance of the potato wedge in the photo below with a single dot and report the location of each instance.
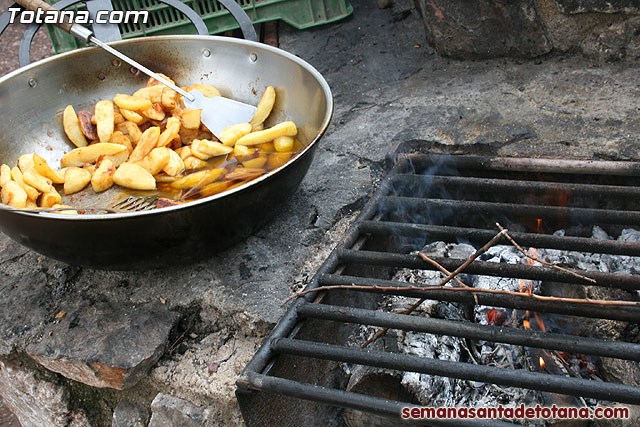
(5, 175)
(207, 90)
(75, 179)
(170, 99)
(156, 160)
(233, 133)
(131, 129)
(283, 144)
(240, 151)
(147, 143)
(245, 173)
(49, 199)
(14, 195)
(118, 158)
(175, 165)
(192, 162)
(118, 118)
(154, 82)
(42, 167)
(184, 152)
(155, 112)
(132, 116)
(71, 126)
(134, 176)
(133, 103)
(152, 93)
(104, 120)
(281, 129)
(266, 147)
(118, 137)
(37, 181)
(191, 119)
(102, 178)
(16, 175)
(66, 211)
(275, 160)
(256, 163)
(25, 162)
(79, 156)
(199, 179)
(88, 129)
(205, 149)
(170, 132)
(213, 188)
(265, 105)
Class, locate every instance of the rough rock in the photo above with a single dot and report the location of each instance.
(105, 345)
(170, 411)
(36, 400)
(484, 28)
(128, 414)
(609, 6)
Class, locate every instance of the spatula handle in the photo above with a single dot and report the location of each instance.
(34, 5)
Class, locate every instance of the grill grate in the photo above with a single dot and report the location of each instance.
(428, 198)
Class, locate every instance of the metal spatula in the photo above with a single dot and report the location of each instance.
(217, 112)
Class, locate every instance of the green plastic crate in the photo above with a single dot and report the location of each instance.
(164, 19)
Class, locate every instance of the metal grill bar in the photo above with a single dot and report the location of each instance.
(343, 398)
(545, 340)
(492, 209)
(530, 272)
(626, 314)
(476, 235)
(460, 370)
(509, 185)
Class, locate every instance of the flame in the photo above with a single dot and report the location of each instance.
(526, 324)
(539, 227)
(540, 322)
(541, 361)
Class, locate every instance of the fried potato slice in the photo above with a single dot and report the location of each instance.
(25, 162)
(170, 99)
(132, 116)
(102, 178)
(245, 173)
(255, 163)
(104, 120)
(131, 129)
(275, 160)
(154, 82)
(205, 149)
(156, 160)
(233, 133)
(214, 188)
(170, 132)
(154, 112)
(265, 105)
(88, 129)
(281, 129)
(16, 175)
(207, 90)
(175, 165)
(66, 211)
(131, 175)
(37, 181)
(191, 119)
(42, 167)
(183, 152)
(5, 174)
(148, 141)
(192, 162)
(118, 137)
(118, 158)
(14, 195)
(71, 126)
(75, 179)
(133, 103)
(49, 199)
(89, 154)
(283, 144)
(198, 179)
(152, 93)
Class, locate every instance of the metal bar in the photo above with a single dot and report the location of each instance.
(545, 340)
(625, 314)
(464, 371)
(361, 402)
(491, 209)
(498, 269)
(509, 185)
(559, 166)
(476, 235)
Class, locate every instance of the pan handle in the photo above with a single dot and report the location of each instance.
(243, 20)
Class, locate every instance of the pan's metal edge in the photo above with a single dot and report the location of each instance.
(92, 217)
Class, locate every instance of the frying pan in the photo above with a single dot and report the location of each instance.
(31, 102)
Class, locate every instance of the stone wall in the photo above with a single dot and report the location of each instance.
(601, 30)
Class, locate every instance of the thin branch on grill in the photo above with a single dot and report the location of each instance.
(535, 258)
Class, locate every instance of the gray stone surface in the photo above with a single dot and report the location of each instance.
(128, 414)
(389, 88)
(104, 344)
(609, 6)
(170, 411)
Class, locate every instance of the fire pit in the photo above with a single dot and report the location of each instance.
(552, 324)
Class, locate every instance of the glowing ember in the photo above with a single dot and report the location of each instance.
(541, 360)
(540, 322)
(526, 324)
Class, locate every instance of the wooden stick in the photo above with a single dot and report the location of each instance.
(535, 258)
(445, 271)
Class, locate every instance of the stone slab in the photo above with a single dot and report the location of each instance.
(171, 411)
(609, 6)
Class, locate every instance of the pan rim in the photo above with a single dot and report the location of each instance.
(192, 204)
